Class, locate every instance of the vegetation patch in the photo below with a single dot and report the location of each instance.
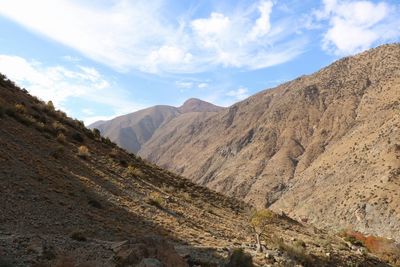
(83, 152)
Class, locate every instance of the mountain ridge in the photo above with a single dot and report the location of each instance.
(283, 147)
(133, 130)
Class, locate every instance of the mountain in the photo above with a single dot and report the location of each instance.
(325, 146)
(133, 130)
(70, 197)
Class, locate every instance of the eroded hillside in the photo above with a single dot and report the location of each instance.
(325, 146)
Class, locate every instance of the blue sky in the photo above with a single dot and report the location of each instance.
(99, 59)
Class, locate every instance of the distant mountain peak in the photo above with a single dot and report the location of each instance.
(198, 105)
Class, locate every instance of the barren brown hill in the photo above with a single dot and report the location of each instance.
(69, 197)
(325, 146)
(133, 130)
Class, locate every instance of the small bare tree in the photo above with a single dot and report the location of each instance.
(259, 222)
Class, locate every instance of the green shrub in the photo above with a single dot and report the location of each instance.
(239, 258)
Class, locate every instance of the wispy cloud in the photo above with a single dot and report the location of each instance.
(141, 35)
(358, 25)
(239, 94)
(61, 84)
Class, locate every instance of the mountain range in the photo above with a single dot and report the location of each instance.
(324, 147)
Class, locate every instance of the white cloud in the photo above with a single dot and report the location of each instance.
(69, 58)
(202, 85)
(184, 84)
(239, 94)
(60, 84)
(263, 25)
(355, 26)
(141, 35)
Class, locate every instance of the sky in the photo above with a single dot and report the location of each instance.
(104, 58)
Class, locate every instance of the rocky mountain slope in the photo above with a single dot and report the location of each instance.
(133, 130)
(70, 197)
(325, 146)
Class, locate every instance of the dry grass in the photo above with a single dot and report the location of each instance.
(83, 152)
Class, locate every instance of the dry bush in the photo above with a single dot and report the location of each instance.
(156, 199)
(61, 138)
(297, 253)
(59, 127)
(20, 108)
(134, 171)
(83, 152)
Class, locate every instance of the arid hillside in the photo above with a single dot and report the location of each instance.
(133, 130)
(70, 197)
(325, 147)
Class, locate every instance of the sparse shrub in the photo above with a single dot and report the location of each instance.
(20, 108)
(50, 105)
(78, 236)
(156, 199)
(77, 137)
(61, 138)
(96, 132)
(300, 243)
(297, 253)
(132, 170)
(24, 119)
(239, 258)
(83, 152)
(58, 127)
(185, 196)
(39, 126)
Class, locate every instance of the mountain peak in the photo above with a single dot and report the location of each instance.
(198, 105)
